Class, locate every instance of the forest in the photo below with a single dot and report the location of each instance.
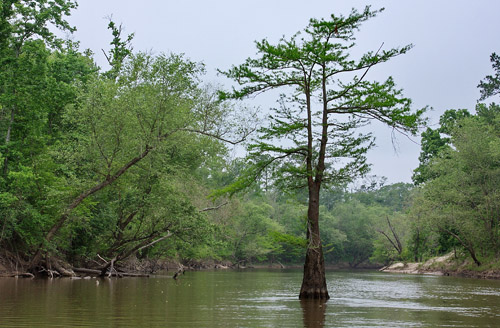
(99, 167)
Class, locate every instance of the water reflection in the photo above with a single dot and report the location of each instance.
(313, 313)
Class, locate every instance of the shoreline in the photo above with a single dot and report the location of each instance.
(445, 265)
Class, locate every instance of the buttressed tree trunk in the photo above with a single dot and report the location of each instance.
(314, 281)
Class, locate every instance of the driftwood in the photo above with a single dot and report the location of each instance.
(50, 273)
(114, 274)
(108, 266)
(85, 270)
(62, 270)
(181, 270)
(17, 275)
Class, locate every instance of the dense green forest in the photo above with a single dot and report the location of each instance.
(101, 166)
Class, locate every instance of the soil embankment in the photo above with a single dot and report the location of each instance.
(446, 265)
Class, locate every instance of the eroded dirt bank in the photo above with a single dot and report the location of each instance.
(446, 265)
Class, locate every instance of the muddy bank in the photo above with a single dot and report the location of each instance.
(446, 265)
(11, 266)
(134, 267)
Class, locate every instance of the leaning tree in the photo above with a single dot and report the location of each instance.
(312, 136)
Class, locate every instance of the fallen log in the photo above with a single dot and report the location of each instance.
(181, 270)
(62, 270)
(85, 270)
(25, 275)
(50, 273)
(114, 274)
(17, 275)
(146, 275)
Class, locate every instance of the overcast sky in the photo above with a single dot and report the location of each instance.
(452, 40)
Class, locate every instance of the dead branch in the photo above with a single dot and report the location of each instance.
(98, 272)
(390, 240)
(18, 275)
(213, 208)
(169, 234)
(400, 248)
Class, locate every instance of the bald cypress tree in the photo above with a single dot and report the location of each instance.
(312, 137)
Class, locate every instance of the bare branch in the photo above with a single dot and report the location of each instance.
(107, 57)
(168, 235)
(213, 208)
(218, 137)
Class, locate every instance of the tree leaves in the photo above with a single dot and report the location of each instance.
(320, 85)
(462, 197)
(490, 86)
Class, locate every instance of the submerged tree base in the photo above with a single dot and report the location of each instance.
(314, 280)
(314, 293)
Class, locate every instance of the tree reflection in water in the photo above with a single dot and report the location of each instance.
(313, 312)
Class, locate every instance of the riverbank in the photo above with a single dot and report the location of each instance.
(446, 265)
(11, 266)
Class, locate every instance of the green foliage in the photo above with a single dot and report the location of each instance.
(138, 149)
(120, 51)
(291, 248)
(69, 131)
(395, 196)
(350, 226)
(126, 136)
(436, 142)
(312, 138)
(250, 231)
(306, 140)
(25, 21)
(461, 202)
(355, 221)
(490, 86)
(45, 83)
(33, 91)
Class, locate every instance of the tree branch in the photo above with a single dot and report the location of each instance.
(212, 135)
(213, 208)
(78, 200)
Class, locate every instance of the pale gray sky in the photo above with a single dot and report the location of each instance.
(453, 41)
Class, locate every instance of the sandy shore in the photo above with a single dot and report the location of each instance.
(441, 266)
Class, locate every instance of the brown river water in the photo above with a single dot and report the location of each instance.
(250, 298)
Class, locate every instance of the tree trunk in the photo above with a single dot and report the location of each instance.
(314, 281)
(124, 255)
(473, 255)
(466, 244)
(64, 217)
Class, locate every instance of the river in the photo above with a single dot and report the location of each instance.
(251, 298)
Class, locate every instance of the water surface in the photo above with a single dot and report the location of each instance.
(253, 298)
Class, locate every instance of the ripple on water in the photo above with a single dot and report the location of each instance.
(252, 299)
